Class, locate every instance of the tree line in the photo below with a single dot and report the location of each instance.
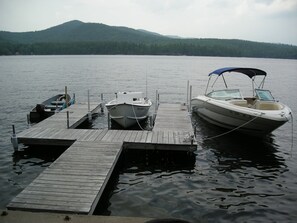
(202, 47)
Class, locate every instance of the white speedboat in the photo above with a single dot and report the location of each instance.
(258, 114)
(128, 108)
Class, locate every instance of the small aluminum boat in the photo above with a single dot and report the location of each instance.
(49, 107)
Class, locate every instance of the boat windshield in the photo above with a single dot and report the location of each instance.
(264, 95)
(225, 94)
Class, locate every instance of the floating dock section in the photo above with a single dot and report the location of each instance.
(75, 182)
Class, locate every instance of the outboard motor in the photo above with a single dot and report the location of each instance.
(40, 108)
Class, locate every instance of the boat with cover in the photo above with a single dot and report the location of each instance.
(128, 108)
(50, 106)
(258, 114)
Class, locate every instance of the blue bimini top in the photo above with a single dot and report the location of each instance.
(250, 72)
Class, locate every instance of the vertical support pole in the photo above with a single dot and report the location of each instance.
(73, 98)
(28, 119)
(66, 98)
(190, 105)
(188, 95)
(102, 103)
(158, 99)
(14, 140)
(108, 120)
(151, 122)
(67, 113)
(157, 102)
(89, 108)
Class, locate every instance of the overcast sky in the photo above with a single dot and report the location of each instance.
(256, 20)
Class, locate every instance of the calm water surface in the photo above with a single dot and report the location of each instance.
(232, 178)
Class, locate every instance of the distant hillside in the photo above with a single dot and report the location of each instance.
(77, 31)
(76, 37)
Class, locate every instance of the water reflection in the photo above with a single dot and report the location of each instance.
(149, 182)
(244, 175)
(22, 168)
(41, 156)
(235, 150)
(153, 161)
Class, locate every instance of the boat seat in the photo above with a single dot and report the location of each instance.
(57, 102)
(241, 103)
(264, 105)
(53, 107)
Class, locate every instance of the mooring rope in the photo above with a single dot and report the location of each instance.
(232, 130)
(136, 118)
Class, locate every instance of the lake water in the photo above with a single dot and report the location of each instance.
(231, 178)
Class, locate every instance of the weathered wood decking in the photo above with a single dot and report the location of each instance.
(172, 130)
(173, 117)
(76, 180)
(77, 115)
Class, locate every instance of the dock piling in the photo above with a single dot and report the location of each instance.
(188, 83)
(89, 108)
(157, 101)
(151, 125)
(190, 104)
(67, 113)
(102, 103)
(14, 140)
(108, 120)
(28, 119)
(66, 98)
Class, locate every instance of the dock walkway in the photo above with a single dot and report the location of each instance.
(77, 179)
(173, 117)
(74, 182)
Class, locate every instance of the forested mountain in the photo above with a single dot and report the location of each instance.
(76, 37)
(77, 31)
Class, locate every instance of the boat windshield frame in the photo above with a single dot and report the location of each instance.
(225, 94)
(264, 95)
(250, 72)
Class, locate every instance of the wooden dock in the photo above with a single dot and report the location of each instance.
(77, 179)
(77, 115)
(74, 182)
(173, 117)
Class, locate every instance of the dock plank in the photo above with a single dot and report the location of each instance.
(133, 136)
(155, 137)
(128, 136)
(138, 136)
(149, 137)
(101, 135)
(143, 137)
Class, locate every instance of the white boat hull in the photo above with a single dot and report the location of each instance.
(247, 120)
(128, 115)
